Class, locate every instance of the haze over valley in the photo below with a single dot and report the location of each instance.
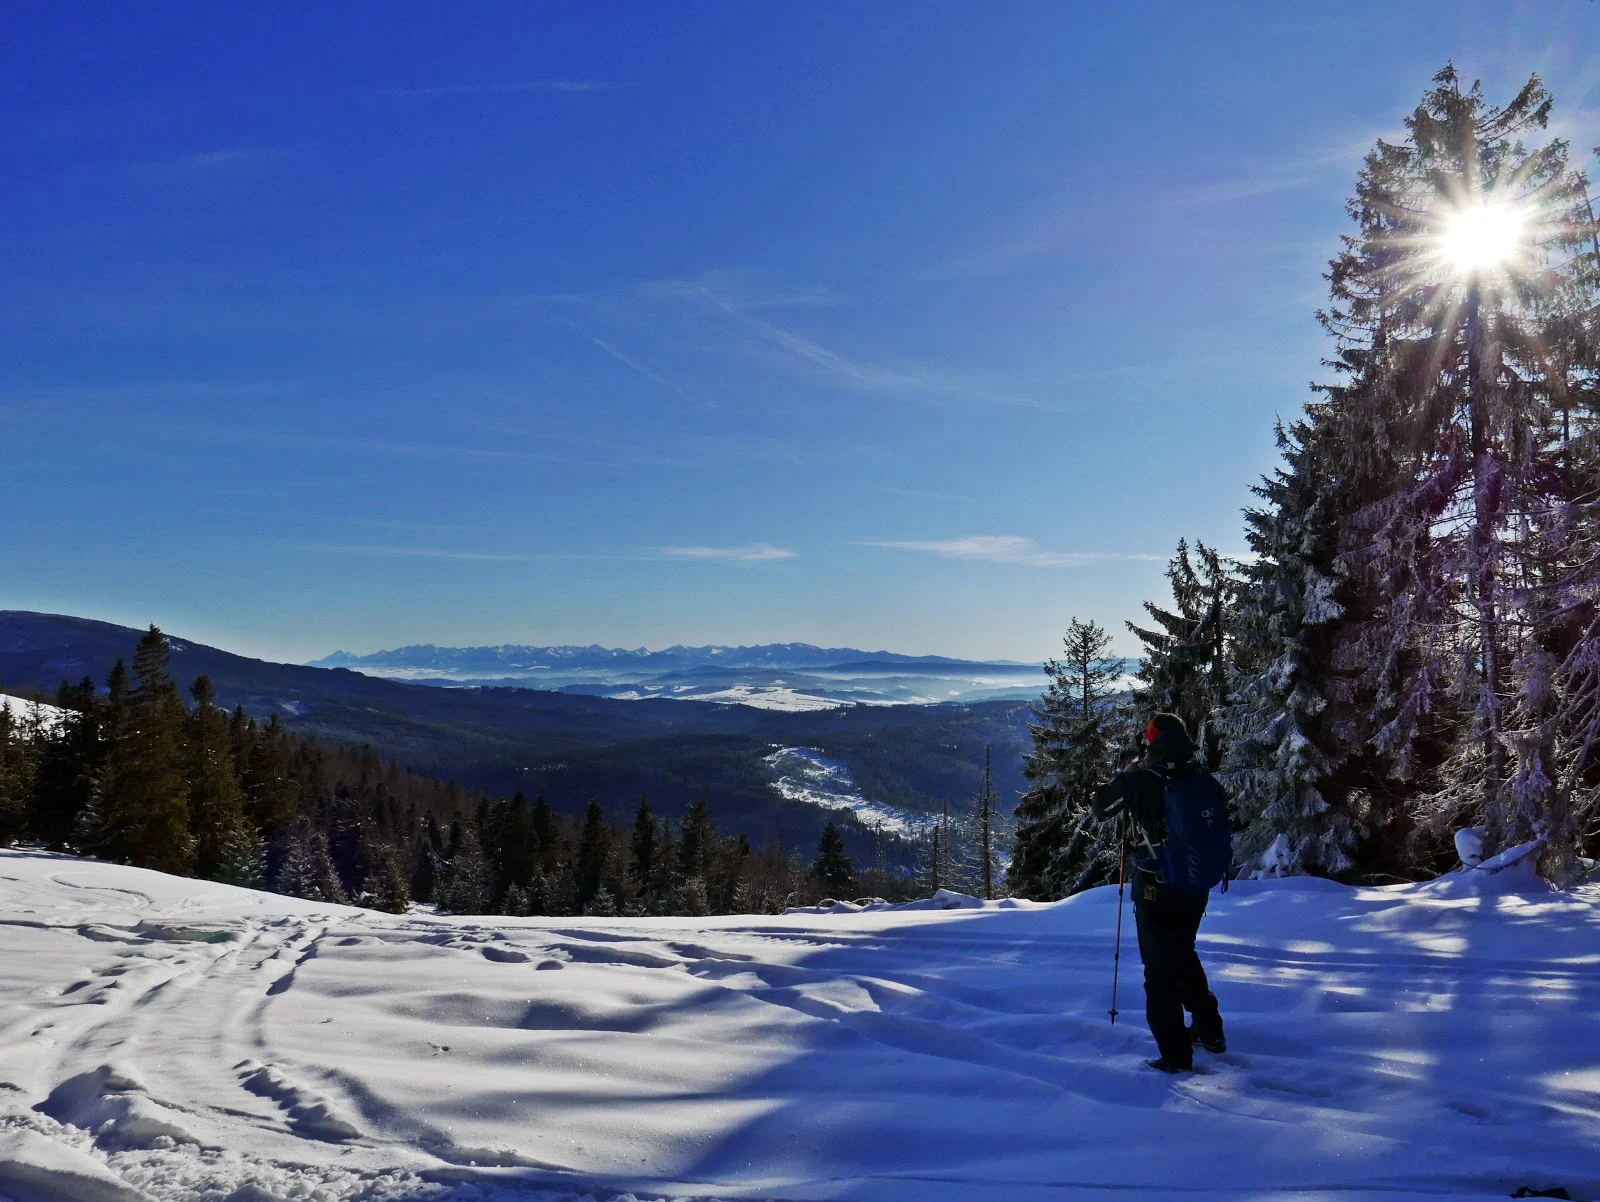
(780, 676)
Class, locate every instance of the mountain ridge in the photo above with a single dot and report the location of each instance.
(527, 655)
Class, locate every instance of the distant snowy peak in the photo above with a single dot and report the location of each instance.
(513, 658)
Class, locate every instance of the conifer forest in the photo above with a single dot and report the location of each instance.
(133, 774)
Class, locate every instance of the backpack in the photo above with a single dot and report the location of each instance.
(1198, 849)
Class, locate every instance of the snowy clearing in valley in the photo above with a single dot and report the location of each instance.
(805, 774)
(178, 1040)
(764, 697)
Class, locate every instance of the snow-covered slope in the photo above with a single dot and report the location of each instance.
(23, 710)
(169, 1039)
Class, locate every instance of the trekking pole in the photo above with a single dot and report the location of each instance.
(1116, 956)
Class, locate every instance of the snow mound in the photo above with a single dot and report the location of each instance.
(1514, 872)
(942, 899)
(111, 1104)
(1469, 845)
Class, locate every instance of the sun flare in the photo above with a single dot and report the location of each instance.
(1481, 237)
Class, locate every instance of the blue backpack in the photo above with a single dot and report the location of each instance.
(1198, 849)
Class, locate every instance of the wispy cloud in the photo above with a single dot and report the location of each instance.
(427, 450)
(462, 555)
(925, 494)
(1056, 232)
(554, 87)
(1007, 548)
(627, 360)
(382, 552)
(729, 314)
(789, 348)
(402, 524)
(1045, 239)
(1285, 174)
(749, 553)
(225, 161)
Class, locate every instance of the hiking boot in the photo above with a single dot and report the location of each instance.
(1217, 1043)
(1171, 1066)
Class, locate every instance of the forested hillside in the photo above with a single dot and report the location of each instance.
(573, 748)
(135, 775)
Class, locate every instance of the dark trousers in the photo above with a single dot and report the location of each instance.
(1174, 981)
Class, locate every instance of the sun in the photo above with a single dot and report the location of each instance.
(1481, 237)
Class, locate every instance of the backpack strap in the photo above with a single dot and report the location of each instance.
(1144, 835)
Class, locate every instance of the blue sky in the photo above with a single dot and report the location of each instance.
(923, 327)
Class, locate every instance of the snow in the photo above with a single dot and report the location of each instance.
(761, 697)
(1513, 871)
(1469, 845)
(184, 1041)
(1277, 860)
(767, 697)
(805, 774)
(21, 710)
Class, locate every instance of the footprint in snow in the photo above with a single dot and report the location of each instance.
(505, 955)
(310, 1114)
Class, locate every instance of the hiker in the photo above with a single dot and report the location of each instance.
(1167, 904)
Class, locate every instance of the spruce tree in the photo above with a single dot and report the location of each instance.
(99, 824)
(227, 847)
(425, 873)
(697, 837)
(385, 886)
(1186, 663)
(467, 877)
(545, 837)
(1473, 367)
(70, 762)
(1282, 766)
(241, 740)
(594, 846)
(988, 832)
(832, 866)
(516, 850)
(307, 870)
(644, 844)
(272, 794)
(16, 775)
(517, 903)
(1057, 849)
(602, 905)
(662, 886)
(141, 812)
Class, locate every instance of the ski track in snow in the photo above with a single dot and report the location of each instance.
(177, 1040)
